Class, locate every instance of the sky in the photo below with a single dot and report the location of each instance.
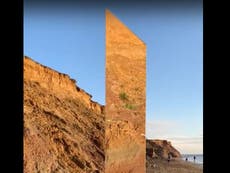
(69, 36)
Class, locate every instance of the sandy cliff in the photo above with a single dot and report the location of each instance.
(63, 127)
(59, 83)
(161, 149)
(64, 130)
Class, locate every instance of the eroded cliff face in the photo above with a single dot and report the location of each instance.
(161, 149)
(63, 127)
(59, 83)
(157, 152)
(64, 130)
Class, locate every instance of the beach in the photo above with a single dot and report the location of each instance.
(174, 166)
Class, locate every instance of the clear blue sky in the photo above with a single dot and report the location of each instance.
(71, 39)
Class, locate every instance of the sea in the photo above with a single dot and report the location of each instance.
(198, 160)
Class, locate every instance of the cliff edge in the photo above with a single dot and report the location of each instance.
(161, 149)
(63, 127)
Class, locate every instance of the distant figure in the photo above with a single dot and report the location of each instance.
(186, 159)
(194, 158)
(169, 158)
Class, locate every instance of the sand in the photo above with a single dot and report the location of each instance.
(174, 166)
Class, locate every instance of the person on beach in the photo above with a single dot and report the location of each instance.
(169, 157)
(194, 158)
(186, 159)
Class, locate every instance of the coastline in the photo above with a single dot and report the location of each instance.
(199, 158)
(174, 166)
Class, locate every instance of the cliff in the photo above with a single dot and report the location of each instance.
(64, 130)
(161, 149)
(59, 83)
(157, 159)
(63, 127)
